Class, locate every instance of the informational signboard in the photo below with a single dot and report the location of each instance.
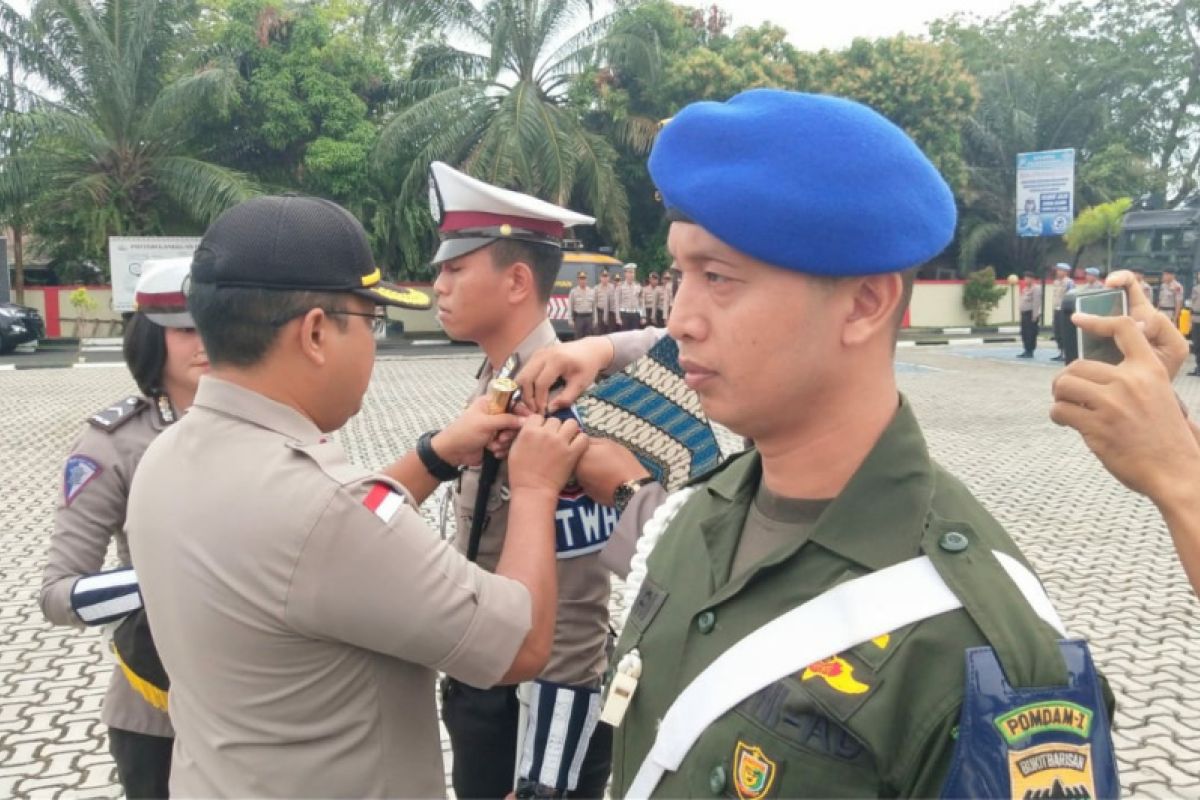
(1045, 192)
(127, 254)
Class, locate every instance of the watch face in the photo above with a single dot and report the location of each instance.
(435, 201)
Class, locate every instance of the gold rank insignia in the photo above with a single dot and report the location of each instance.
(753, 772)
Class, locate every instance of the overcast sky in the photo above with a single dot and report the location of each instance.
(813, 24)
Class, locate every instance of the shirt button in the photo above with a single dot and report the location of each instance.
(716, 780)
(953, 542)
(706, 622)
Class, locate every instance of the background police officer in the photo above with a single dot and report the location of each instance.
(166, 358)
(582, 301)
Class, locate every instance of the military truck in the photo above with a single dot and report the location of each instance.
(1154, 241)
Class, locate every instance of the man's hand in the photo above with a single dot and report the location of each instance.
(1167, 342)
(545, 454)
(605, 466)
(1128, 414)
(462, 442)
(577, 363)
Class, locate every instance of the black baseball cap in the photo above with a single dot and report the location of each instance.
(295, 243)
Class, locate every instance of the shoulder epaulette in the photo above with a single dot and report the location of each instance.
(119, 413)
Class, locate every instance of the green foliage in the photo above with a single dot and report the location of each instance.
(507, 115)
(981, 295)
(1100, 223)
(116, 152)
(82, 301)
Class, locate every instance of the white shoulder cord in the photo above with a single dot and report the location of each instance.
(652, 531)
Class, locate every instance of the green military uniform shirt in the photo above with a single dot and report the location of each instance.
(878, 720)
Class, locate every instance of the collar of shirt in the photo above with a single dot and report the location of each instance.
(879, 518)
(245, 404)
(542, 335)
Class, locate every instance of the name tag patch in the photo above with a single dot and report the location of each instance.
(581, 524)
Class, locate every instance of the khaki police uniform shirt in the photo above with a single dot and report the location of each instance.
(582, 301)
(1170, 296)
(1061, 287)
(85, 524)
(879, 720)
(1031, 299)
(302, 608)
(606, 302)
(666, 296)
(650, 300)
(629, 298)
(1195, 302)
(581, 629)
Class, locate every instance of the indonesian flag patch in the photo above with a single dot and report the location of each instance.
(384, 501)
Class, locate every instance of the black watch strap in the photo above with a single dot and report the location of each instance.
(438, 467)
(626, 491)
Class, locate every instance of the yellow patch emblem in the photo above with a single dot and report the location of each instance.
(838, 673)
(882, 641)
(753, 772)
(1052, 770)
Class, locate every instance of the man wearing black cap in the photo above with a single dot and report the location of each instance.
(300, 605)
(830, 613)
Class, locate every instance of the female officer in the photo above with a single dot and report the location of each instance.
(166, 357)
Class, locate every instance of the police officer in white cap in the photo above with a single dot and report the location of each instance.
(166, 358)
(499, 257)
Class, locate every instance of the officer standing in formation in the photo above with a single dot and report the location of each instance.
(651, 298)
(492, 286)
(166, 358)
(300, 604)
(1092, 278)
(582, 301)
(666, 297)
(1170, 296)
(1147, 289)
(1063, 283)
(607, 320)
(1030, 305)
(862, 690)
(629, 300)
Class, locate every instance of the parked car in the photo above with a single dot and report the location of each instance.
(19, 324)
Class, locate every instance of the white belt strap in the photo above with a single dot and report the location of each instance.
(841, 618)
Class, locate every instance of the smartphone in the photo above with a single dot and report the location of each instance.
(1102, 303)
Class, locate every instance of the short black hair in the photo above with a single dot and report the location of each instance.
(238, 324)
(145, 349)
(544, 259)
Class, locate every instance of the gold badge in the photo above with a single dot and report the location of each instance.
(1052, 771)
(838, 673)
(753, 772)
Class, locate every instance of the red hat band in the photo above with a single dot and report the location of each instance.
(455, 221)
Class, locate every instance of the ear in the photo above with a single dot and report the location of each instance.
(314, 332)
(521, 283)
(873, 307)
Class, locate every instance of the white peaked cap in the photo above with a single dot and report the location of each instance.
(471, 214)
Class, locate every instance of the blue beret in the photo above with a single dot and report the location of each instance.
(807, 182)
(1094, 271)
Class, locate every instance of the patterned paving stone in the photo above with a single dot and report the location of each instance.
(1104, 553)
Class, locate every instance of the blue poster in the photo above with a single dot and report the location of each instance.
(1045, 192)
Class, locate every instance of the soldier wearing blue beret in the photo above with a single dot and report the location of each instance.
(830, 613)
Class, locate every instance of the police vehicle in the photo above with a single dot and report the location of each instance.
(576, 260)
(18, 325)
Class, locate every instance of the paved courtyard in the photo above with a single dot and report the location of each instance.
(1104, 553)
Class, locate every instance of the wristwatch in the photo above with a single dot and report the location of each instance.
(625, 492)
(437, 466)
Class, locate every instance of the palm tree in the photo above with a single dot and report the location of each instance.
(507, 116)
(110, 148)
